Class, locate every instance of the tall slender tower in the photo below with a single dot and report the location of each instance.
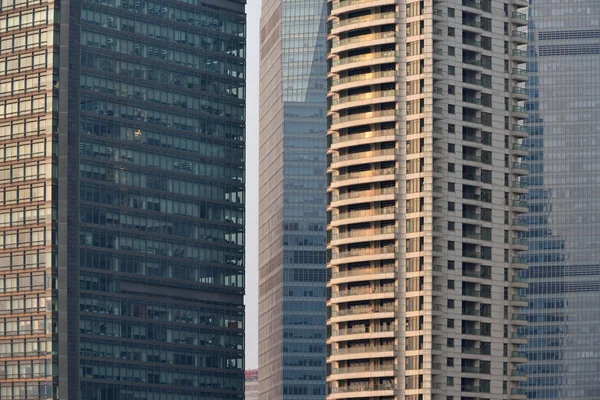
(292, 200)
(564, 210)
(425, 130)
(122, 134)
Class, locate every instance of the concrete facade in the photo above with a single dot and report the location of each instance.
(425, 129)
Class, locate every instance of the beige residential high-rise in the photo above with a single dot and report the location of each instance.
(425, 122)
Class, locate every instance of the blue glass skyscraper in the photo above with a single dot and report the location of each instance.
(564, 201)
(292, 200)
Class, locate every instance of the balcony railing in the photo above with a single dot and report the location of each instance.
(364, 96)
(366, 368)
(363, 349)
(472, 4)
(364, 155)
(364, 174)
(364, 329)
(364, 213)
(363, 291)
(363, 77)
(364, 116)
(364, 18)
(364, 193)
(364, 252)
(364, 310)
(365, 232)
(363, 57)
(363, 38)
(363, 271)
(364, 387)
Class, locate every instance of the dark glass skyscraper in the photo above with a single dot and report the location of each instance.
(292, 200)
(564, 206)
(121, 258)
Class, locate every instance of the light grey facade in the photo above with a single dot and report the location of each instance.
(425, 129)
(564, 207)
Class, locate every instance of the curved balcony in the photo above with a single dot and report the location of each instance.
(363, 312)
(370, 176)
(364, 294)
(360, 255)
(519, 37)
(520, 131)
(473, 5)
(356, 391)
(368, 40)
(519, 282)
(362, 274)
(359, 235)
(519, 263)
(366, 371)
(373, 214)
(363, 196)
(519, 244)
(371, 78)
(519, 18)
(519, 169)
(370, 137)
(519, 74)
(365, 157)
(362, 99)
(520, 206)
(344, 6)
(519, 112)
(519, 56)
(367, 118)
(362, 22)
(362, 333)
(363, 60)
(364, 351)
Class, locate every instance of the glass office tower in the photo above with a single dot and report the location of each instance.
(564, 211)
(122, 254)
(292, 200)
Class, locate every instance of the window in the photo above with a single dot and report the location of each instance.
(451, 89)
(451, 128)
(450, 12)
(451, 167)
(450, 284)
(450, 362)
(451, 206)
(450, 303)
(486, 99)
(450, 323)
(449, 381)
(450, 264)
(451, 148)
(451, 109)
(451, 226)
(451, 32)
(450, 342)
(451, 70)
(450, 245)
(451, 186)
(451, 51)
